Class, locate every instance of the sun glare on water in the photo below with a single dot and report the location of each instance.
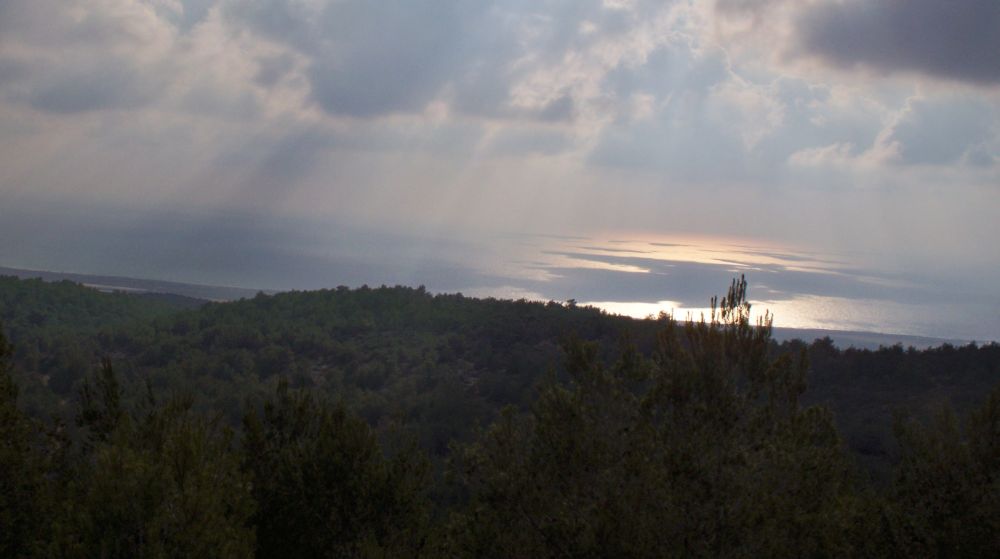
(761, 262)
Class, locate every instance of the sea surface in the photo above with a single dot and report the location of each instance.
(633, 274)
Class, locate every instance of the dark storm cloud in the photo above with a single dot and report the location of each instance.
(107, 86)
(953, 39)
(87, 85)
(271, 69)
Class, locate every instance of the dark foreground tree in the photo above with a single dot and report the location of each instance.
(22, 468)
(704, 451)
(699, 448)
(325, 489)
(945, 499)
(157, 481)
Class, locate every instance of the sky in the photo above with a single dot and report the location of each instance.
(843, 154)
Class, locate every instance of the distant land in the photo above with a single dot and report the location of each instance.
(217, 293)
(205, 293)
(862, 340)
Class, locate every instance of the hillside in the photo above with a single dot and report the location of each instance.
(441, 363)
(387, 351)
(346, 408)
(190, 291)
(193, 295)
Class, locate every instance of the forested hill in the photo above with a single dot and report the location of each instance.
(285, 425)
(445, 361)
(441, 363)
(56, 326)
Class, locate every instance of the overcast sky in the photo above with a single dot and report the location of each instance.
(506, 147)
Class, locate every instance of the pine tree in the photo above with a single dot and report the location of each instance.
(21, 474)
(703, 451)
(324, 487)
(155, 481)
(945, 497)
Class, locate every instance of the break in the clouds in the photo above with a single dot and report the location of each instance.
(866, 128)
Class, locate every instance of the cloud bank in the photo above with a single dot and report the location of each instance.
(955, 40)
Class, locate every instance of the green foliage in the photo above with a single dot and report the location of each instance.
(323, 486)
(32, 307)
(945, 498)
(697, 439)
(33, 469)
(58, 330)
(443, 363)
(20, 470)
(101, 404)
(864, 388)
(704, 451)
(159, 481)
(386, 351)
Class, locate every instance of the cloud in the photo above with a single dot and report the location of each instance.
(707, 129)
(271, 69)
(75, 56)
(108, 86)
(385, 57)
(943, 131)
(78, 27)
(954, 39)
(499, 60)
(839, 153)
(939, 131)
(367, 59)
(192, 13)
(529, 141)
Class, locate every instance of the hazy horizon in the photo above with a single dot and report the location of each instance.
(635, 155)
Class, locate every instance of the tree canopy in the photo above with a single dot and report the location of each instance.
(357, 436)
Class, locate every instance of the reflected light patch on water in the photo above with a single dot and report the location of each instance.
(798, 312)
(621, 272)
(671, 309)
(548, 258)
(801, 288)
(583, 263)
(635, 309)
(720, 251)
(967, 322)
